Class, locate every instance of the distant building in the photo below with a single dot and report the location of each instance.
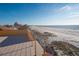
(24, 27)
(20, 27)
(17, 25)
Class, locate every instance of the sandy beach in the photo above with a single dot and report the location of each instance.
(65, 35)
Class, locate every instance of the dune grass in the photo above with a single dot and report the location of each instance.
(12, 32)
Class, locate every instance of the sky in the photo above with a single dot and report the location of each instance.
(39, 14)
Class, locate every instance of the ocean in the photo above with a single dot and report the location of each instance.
(73, 27)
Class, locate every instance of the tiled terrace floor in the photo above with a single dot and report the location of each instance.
(19, 46)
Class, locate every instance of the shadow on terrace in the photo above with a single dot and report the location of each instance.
(11, 40)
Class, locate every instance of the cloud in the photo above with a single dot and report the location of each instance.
(69, 10)
(74, 15)
(64, 9)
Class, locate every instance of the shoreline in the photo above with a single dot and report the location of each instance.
(69, 36)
